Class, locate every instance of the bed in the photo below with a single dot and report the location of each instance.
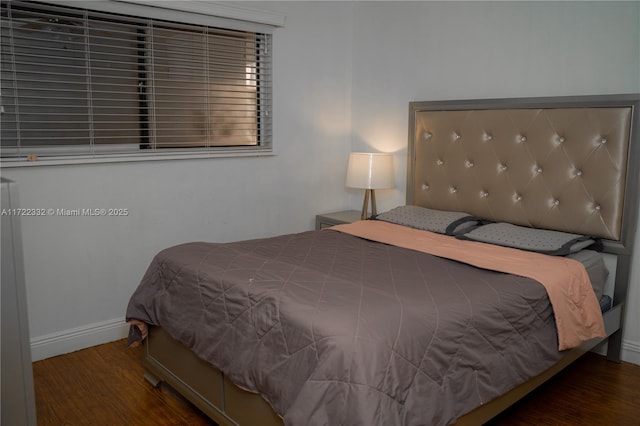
(355, 325)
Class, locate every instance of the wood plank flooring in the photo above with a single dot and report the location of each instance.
(104, 385)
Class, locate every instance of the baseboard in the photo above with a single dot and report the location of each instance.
(631, 352)
(77, 338)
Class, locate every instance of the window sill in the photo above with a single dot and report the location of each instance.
(129, 158)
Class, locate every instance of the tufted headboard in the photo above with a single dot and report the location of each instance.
(567, 164)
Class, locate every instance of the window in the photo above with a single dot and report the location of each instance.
(79, 82)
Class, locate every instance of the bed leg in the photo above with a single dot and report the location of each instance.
(153, 380)
(614, 346)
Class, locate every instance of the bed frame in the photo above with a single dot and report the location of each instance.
(511, 160)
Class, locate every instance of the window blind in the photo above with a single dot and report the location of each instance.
(84, 82)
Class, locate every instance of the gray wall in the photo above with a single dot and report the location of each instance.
(80, 271)
(344, 74)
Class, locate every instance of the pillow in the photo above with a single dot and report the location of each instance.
(442, 222)
(521, 237)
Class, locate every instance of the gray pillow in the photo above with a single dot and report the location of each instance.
(442, 222)
(521, 237)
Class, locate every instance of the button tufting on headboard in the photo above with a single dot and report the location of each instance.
(555, 170)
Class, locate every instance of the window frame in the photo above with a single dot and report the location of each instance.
(196, 13)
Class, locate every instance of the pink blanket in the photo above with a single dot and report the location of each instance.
(576, 310)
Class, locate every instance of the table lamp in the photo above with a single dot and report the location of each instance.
(370, 171)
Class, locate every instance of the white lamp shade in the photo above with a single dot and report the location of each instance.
(370, 171)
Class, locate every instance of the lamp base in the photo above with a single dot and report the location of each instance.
(369, 194)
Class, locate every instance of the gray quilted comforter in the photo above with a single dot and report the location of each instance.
(333, 329)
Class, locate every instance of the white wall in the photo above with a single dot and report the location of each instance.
(468, 50)
(80, 271)
(344, 74)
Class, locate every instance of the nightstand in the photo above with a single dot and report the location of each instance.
(337, 218)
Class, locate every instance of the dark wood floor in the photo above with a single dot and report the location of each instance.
(104, 385)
